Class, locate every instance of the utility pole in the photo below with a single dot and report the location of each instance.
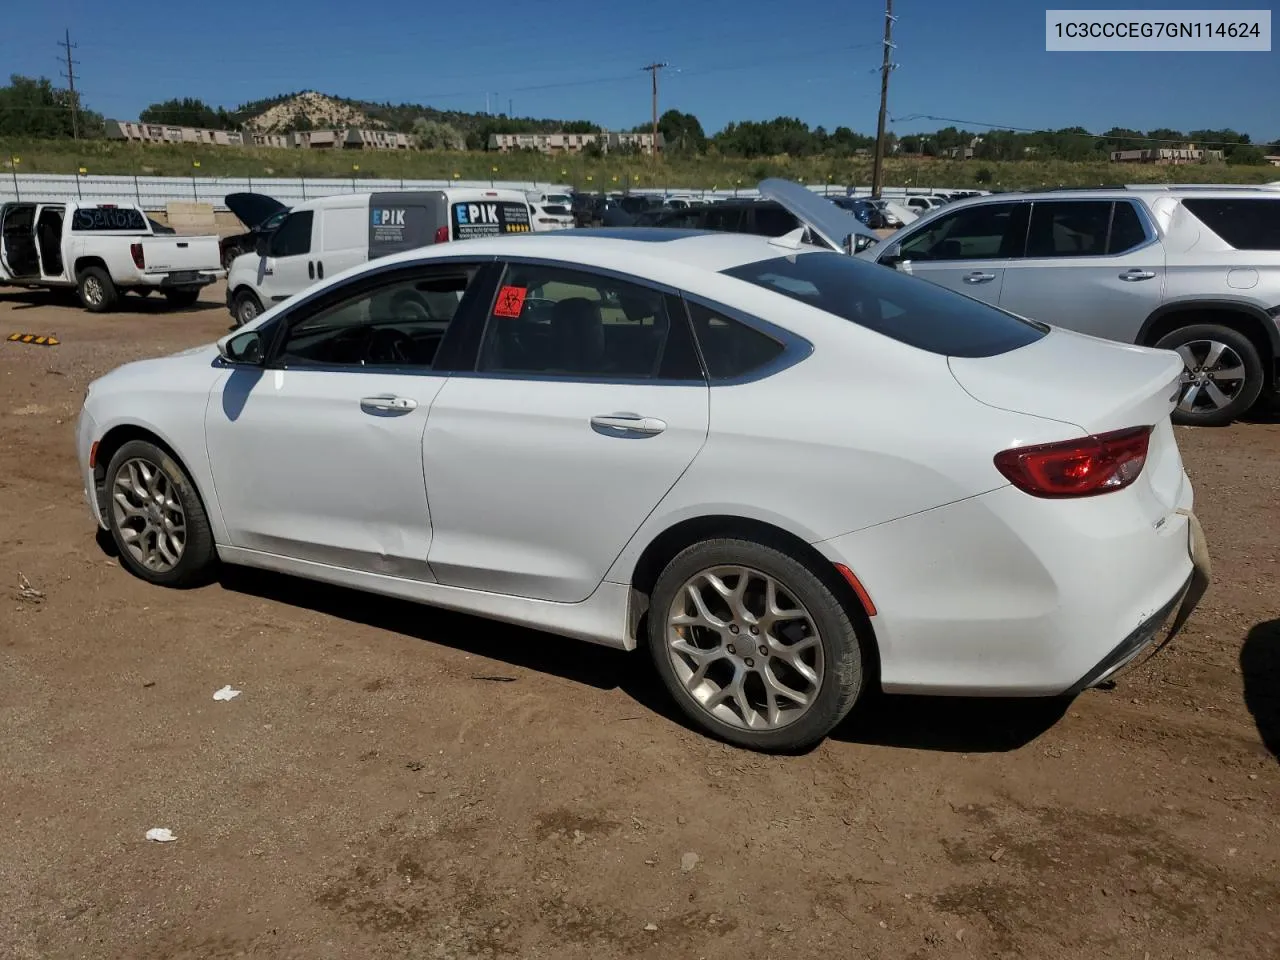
(71, 84)
(877, 170)
(653, 69)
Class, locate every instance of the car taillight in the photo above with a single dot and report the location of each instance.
(1078, 468)
(135, 251)
(442, 234)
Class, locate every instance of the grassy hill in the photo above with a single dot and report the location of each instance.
(617, 172)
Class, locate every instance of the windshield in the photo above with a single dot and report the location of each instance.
(910, 310)
(559, 199)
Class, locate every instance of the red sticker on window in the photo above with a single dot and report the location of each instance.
(510, 302)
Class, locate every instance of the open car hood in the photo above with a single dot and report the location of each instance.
(252, 208)
(816, 212)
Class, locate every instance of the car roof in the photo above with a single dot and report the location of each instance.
(500, 194)
(607, 247)
(1133, 191)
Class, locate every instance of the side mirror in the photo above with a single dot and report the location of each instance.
(864, 243)
(891, 257)
(244, 349)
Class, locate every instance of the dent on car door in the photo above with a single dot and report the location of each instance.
(966, 250)
(1094, 266)
(317, 453)
(586, 404)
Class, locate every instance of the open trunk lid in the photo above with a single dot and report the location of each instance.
(816, 212)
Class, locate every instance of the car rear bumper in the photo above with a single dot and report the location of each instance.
(183, 280)
(1005, 594)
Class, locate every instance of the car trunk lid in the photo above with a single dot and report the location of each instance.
(1094, 385)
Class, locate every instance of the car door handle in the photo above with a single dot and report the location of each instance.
(388, 404)
(629, 423)
(979, 277)
(311, 270)
(320, 269)
(1136, 274)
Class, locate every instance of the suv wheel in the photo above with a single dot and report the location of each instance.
(1222, 374)
(245, 308)
(754, 645)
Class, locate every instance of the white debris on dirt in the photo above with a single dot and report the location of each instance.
(226, 693)
(688, 861)
(161, 835)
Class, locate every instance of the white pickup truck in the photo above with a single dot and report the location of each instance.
(104, 250)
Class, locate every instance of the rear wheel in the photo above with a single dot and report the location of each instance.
(1222, 374)
(182, 298)
(754, 645)
(97, 293)
(156, 518)
(246, 308)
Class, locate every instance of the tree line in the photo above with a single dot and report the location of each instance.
(35, 108)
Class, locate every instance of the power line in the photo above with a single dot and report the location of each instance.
(71, 85)
(877, 170)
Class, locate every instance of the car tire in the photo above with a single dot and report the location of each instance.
(146, 487)
(181, 299)
(246, 307)
(834, 662)
(97, 293)
(1231, 351)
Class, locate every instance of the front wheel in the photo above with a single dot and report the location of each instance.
(245, 308)
(754, 645)
(156, 518)
(182, 298)
(97, 292)
(1222, 374)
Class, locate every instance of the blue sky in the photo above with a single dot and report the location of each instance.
(730, 60)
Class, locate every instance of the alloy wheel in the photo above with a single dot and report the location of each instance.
(93, 291)
(148, 514)
(746, 649)
(1213, 375)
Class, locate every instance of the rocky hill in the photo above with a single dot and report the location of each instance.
(307, 111)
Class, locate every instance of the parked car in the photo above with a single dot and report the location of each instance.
(680, 433)
(103, 250)
(1191, 269)
(782, 208)
(549, 216)
(866, 211)
(330, 234)
(260, 214)
(922, 203)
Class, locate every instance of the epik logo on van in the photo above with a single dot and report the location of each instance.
(477, 213)
(388, 218)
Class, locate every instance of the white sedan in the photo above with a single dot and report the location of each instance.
(790, 474)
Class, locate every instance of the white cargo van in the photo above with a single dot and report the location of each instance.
(322, 237)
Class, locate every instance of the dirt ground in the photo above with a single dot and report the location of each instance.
(395, 781)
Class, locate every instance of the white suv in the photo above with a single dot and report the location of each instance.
(1191, 269)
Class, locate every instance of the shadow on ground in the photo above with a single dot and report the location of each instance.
(129, 303)
(963, 725)
(1260, 666)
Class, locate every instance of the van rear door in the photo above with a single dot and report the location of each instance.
(488, 218)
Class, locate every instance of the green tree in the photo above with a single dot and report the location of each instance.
(682, 133)
(35, 108)
(188, 112)
(1246, 154)
(435, 135)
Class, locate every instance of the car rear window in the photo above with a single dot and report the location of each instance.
(489, 218)
(1245, 223)
(907, 309)
(108, 218)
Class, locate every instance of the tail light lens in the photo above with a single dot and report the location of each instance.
(139, 260)
(1078, 468)
(442, 234)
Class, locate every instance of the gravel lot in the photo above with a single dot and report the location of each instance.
(396, 781)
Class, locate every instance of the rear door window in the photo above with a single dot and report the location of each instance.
(488, 218)
(921, 315)
(730, 349)
(1247, 223)
(1069, 228)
